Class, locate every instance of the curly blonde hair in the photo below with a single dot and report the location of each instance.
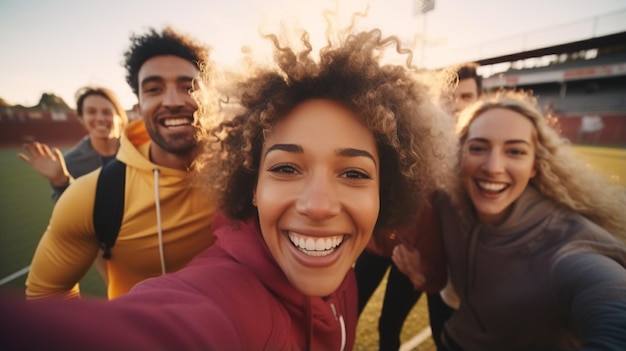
(561, 174)
(413, 134)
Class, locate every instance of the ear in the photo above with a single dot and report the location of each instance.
(534, 172)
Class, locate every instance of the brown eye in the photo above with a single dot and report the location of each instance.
(356, 174)
(282, 168)
(516, 152)
(476, 148)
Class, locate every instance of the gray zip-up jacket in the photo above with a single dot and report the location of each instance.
(544, 279)
(79, 160)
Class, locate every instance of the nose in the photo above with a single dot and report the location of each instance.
(103, 116)
(318, 199)
(173, 97)
(494, 163)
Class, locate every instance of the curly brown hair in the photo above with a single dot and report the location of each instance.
(414, 135)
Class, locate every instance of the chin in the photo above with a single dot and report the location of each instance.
(318, 289)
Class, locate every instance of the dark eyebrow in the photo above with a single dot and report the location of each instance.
(349, 152)
(518, 141)
(513, 141)
(181, 79)
(150, 79)
(285, 147)
(185, 79)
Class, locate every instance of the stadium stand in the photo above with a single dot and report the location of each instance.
(583, 85)
(57, 127)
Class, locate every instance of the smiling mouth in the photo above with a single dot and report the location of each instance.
(176, 122)
(316, 246)
(491, 186)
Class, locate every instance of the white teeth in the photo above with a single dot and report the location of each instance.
(300, 243)
(310, 244)
(491, 186)
(316, 246)
(172, 122)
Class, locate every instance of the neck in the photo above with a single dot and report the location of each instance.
(105, 147)
(170, 160)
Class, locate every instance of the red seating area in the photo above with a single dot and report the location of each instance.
(611, 130)
(54, 128)
(14, 132)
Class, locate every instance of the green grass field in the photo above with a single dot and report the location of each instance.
(24, 213)
(26, 207)
(610, 161)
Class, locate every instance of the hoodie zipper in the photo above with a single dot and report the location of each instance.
(157, 204)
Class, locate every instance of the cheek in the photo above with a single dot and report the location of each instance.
(271, 197)
(88, 121)
(146, 105)
(468, 166)
(193, 103)
(268, 190)
(365, 209)
(528, 171)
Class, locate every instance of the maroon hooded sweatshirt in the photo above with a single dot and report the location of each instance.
(233, 296)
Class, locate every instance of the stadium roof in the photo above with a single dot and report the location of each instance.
(593, 43)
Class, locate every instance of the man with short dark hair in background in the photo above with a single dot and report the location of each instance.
(469, 87)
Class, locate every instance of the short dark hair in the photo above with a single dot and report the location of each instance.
(167, 42)
(469, 70)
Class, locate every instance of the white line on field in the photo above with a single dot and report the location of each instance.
(416, 340)
(15, 275)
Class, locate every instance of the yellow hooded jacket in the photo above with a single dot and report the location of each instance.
(69, 246)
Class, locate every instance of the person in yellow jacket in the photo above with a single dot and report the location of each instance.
(166, 221)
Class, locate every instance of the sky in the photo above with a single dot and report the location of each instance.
(58, 46)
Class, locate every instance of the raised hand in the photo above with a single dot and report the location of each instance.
(408, 262)
(48, 162)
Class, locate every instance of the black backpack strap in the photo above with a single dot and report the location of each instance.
(108, 208)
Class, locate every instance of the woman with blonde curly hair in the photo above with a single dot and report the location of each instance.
(560, 173)
(532, 243)
(321, 155)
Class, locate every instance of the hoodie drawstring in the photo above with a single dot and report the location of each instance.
(343, 327)
(343, 333)
(157, 204)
